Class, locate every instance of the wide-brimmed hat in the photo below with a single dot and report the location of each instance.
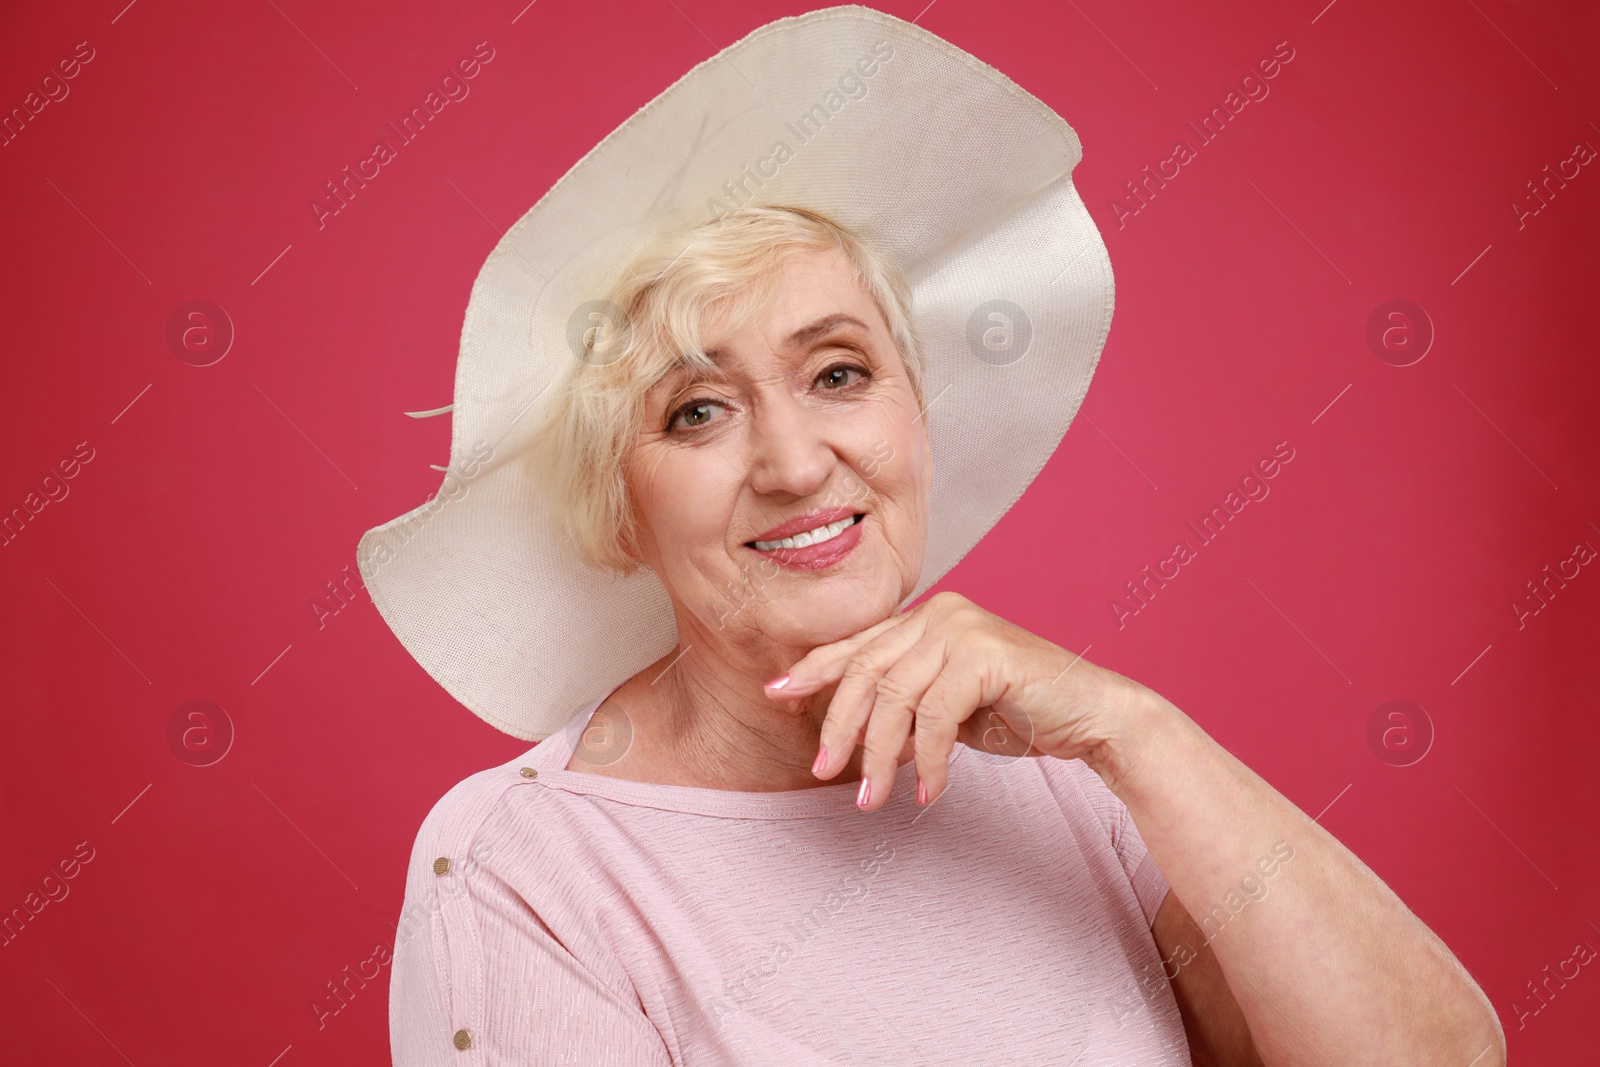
(956, 175)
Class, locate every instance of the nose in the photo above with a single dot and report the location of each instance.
(789, 450)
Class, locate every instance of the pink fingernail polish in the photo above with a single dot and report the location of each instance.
(865, 793)
(778, 682)
(922, 791)
(821, 761)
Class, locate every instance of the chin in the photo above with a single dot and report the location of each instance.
(829, 615)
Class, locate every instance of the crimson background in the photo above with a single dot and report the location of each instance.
(184, 563)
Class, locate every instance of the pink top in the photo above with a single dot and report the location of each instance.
(593, 921)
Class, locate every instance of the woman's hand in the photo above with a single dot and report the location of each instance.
(951, 671)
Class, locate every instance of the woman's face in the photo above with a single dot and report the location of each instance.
(812, 419)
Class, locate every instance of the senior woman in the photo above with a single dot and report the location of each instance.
(819, 827)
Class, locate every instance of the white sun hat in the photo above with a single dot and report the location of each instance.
(956, 175)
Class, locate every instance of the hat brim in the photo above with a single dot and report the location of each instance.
(942, 164)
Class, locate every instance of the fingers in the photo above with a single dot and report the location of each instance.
(853, 700)
(825, 664)
(938, 729)
(942, 717)
(893, 715)
(896, 689)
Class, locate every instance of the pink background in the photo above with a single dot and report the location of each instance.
(183, 562)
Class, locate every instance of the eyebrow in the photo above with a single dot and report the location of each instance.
(823, 326)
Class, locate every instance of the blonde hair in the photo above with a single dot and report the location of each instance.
(732, 267)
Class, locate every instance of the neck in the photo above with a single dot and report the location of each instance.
(700, 717)
(712, 715)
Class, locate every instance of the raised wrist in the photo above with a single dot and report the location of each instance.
(1137, 714)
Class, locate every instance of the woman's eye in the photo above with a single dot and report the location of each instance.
(699, 412)
(694, 413)
(834, 377)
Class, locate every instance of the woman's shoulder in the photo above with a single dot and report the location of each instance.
(496, 916)
(458, 816)
(461, 828)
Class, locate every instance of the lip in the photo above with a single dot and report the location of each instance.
(800, 524)
(816, 557)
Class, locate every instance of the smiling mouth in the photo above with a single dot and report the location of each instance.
(820, 535)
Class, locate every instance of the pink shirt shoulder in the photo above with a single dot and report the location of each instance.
(556, 917)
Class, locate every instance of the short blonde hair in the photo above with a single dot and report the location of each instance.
(729, 267)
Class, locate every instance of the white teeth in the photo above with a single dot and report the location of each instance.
(810, 537)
